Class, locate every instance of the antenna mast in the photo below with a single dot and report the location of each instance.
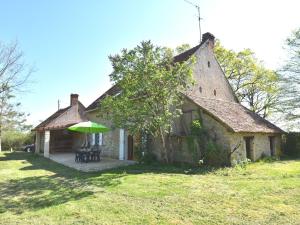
(199, 17)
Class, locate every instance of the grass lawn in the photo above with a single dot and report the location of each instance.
(34, 190)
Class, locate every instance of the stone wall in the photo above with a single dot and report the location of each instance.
(219, 133)
(110, 139)
(210, 79)
(260, 145)
(178, 145)
(179, 140)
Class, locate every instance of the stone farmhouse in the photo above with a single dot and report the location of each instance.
(230, 124)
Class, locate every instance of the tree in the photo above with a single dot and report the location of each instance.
(151, 91)
(14, 74)
(290, 81)
(15, 139)
(255, 86)
(182, 48)
(11, 119)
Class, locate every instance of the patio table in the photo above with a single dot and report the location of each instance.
(88, 155)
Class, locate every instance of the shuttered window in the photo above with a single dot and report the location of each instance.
(96, 139)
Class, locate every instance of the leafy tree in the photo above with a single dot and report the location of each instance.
(290, 81)
(255, 86)
(11, 119)
(15, 139)
(151, 91)
(182, 48)
(14, 74)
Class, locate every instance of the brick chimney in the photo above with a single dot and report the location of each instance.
(74, 99)
(210, 37)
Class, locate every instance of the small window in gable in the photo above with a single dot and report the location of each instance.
(200, 89)
(208, 64)
(215, 93)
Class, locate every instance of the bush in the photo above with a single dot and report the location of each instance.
(16, 139)
(214, 154)
(143, 156)
(291, 147)
(266, 158)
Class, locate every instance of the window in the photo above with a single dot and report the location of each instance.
(97, 139)
(200, 89)
(208, 64)
(215, 93)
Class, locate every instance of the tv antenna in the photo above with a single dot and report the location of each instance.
(199, 17)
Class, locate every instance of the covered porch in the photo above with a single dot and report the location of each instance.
(68, 159)
(58, 140)
(52, 134)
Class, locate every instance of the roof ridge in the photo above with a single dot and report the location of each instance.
(93, 105)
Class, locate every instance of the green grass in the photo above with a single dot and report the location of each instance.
(34, 190)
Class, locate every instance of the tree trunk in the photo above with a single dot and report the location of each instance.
(164, 155)
(170, 148)
(0, 141)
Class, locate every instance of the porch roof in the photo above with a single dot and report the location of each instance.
(63, 118)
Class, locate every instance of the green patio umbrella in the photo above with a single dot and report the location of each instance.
(88, 127)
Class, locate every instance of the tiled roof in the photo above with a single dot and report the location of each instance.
(52, 117)
(187, 54)
(235, 116)
(66, 117)
(112, 91)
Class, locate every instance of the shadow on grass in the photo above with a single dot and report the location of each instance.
(64, 184)
(19, 155)
(19, 195)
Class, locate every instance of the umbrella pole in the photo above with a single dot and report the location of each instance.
(86, 139)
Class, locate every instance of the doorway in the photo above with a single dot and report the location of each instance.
(130, 147)
(272, 145)
(249, 147)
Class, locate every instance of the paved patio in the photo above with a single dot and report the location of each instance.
(68, 159)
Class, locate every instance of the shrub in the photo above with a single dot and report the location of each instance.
(196, 127)
(144, 156)
(265, 158)
(291, 147)
(214, 154)
(16, 139)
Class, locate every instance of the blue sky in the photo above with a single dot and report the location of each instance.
(68, 42)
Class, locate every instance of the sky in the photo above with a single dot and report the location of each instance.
(68, 41)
